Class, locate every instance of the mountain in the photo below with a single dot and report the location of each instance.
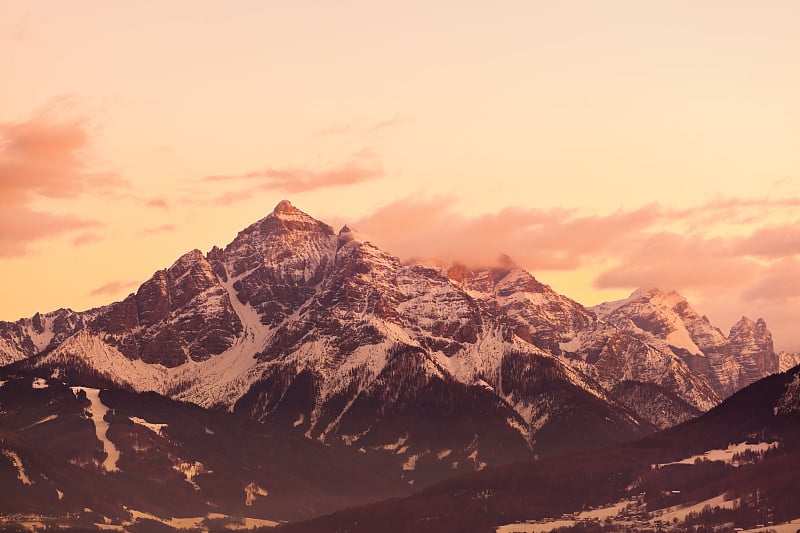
(81, 456)
(733, 467)
(787, 360)
(323, 334)
(665, 320)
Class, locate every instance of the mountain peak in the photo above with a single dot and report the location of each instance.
(652, 293)
(285, 207)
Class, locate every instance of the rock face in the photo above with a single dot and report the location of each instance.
(665, 320)
(326, 335)
(29, 336)
(787, 360)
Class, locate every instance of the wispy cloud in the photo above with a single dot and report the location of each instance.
(113, 288)
(357, 127)
(86, 238)
(158, 203)
(164, 228)
(360, 167)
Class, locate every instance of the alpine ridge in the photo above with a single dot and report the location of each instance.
(326, 335)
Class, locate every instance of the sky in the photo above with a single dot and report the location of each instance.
(604, 146)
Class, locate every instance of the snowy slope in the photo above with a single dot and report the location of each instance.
(331, 337)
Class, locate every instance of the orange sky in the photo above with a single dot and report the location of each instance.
(602, 145)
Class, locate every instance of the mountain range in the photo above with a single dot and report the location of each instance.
(427, 372)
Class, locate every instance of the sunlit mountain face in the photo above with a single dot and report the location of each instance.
(251, 380)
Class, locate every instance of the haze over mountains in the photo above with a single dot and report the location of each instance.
(427, 372)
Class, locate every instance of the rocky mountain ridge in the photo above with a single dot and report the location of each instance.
(326, 335)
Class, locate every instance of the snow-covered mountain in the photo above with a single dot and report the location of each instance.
(326, 335)
(666, 321)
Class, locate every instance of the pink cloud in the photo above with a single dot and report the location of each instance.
(676, 261)
(158, 203)
(164, 228)
(86, 238)
(22, 226)
(773, 241)
(113, 288)
(45, 158)
(359, 168)
(553, 239)
(778, 281)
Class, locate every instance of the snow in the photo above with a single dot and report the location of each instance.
(571, 345)
(42, 421)
(155, 428)
(543, 527)
(680, 338)
(444, 453)
(605, 512)
(42, 340)
(191, 471)
(393, 447)
(680, 512)
(16, 462)
(193, 522)
(224, 378)
(411, 461)
(108, 360)
(59, 494)
(39, 383)
(727, 454)
(98, 412)
(784, 527)
(300, 420)
(3, 382)
(253, 491)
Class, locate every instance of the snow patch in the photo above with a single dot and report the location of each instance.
(571, 345)
(395, 446)
(727, 454)
(444, 453)
(253, 491)
(39, 383)
(42, 421)
(191, 471)
(16, 462)
(411, 463)
(155, 428)
(681, 512)
(98, 412)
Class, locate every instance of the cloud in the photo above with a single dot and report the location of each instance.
(45, 158)
(778, 281)
(164, 228)
(113, 288)
(86, 238)
(672, 260)
(553, 239)
(360, 167)
(158, 203)
(22, 226)
(773, 241)
(356, 128)
(728, 259)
